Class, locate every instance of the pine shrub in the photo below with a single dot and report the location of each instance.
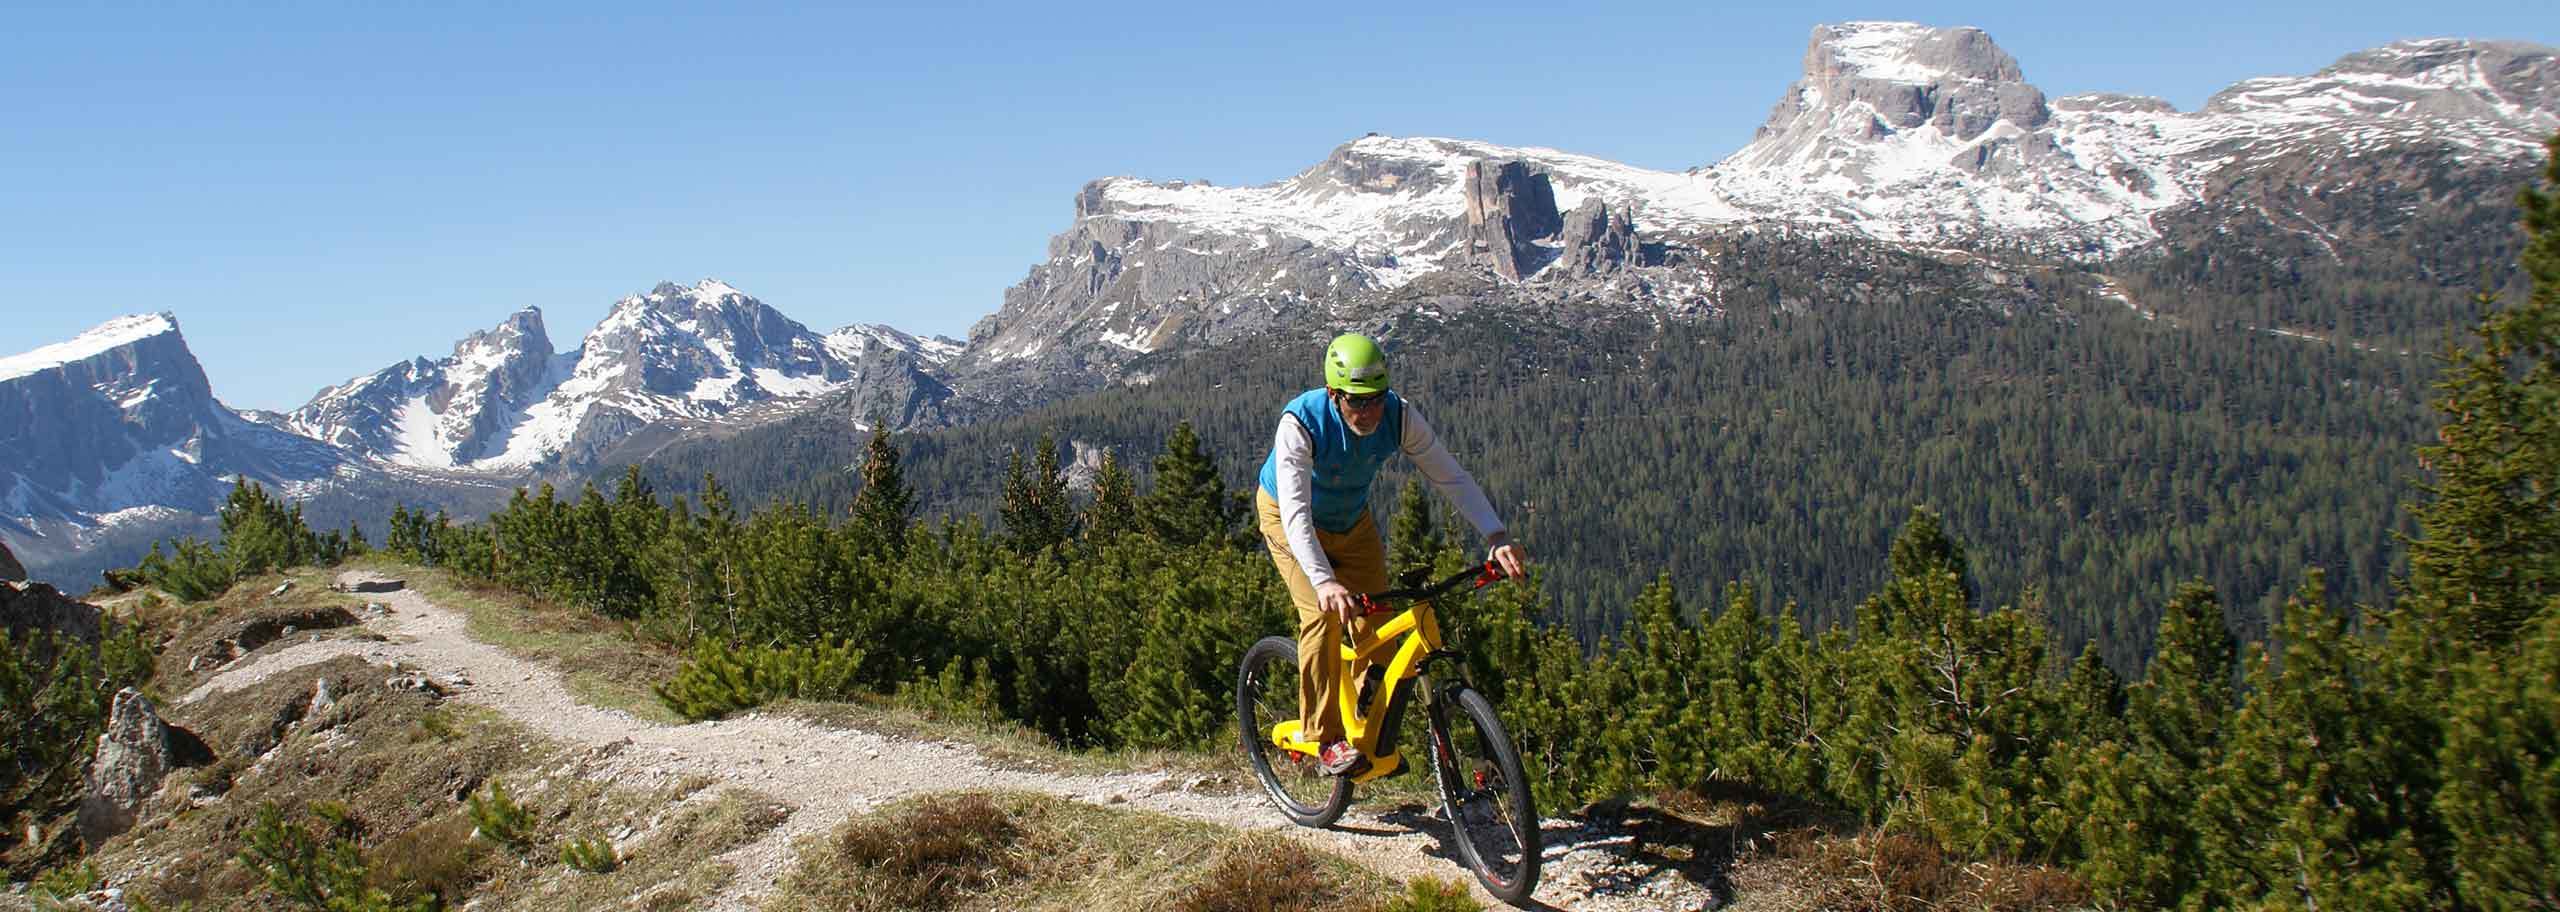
(498, 818)
(592, 855)
(1431, 894)
(722, 679)
(2501, 760)
(323, 871)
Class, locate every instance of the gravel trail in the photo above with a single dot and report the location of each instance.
(825, 775)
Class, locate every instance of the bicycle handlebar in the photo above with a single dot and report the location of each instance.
(1484, 574)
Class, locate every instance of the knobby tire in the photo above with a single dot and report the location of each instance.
(1267, 693)
(1492, 816)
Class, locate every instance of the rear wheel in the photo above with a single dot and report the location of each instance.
(1267, 694)
(1485, 795)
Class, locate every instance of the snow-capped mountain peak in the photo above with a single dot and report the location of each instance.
(439, 413)
(860, 340)
(505, 402)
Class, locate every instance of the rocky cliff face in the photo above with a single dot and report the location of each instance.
(122, 419)
(118, 430)
(1510, 208)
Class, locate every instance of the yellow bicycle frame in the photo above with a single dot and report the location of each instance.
(1410, 636)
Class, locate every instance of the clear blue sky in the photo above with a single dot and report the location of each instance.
(319, 191)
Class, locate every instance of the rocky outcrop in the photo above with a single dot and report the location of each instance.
(10, 570)
(1598, 238)
(1901, 76)
(137, 750)
(1509, 209)
(29, 611)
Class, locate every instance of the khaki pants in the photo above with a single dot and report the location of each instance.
(1359, 562)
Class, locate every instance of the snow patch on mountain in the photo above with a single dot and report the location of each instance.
(113, 334)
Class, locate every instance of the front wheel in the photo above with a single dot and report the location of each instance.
(1266, 695)
(1485, 795)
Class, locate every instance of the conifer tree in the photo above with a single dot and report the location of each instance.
(1189, 503)
(1659, 667)
(2501, 762)
(2092, 704)
(2130, 798)
(2487, 555)
(885, 507)
(1036, 512)
(1920, 553)
(1115, 501)
(2311, 803)
(2178, 709)
(1414, 536)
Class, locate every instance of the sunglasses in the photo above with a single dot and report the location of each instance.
(1364, 400)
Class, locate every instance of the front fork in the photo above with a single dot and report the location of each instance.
(1435, 703)
(1390, 731)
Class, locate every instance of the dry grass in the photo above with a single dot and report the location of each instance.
(934, 850)
(402, 763)
(203, 633)
(1011, 850)
(1900, 872)
(1260, 876)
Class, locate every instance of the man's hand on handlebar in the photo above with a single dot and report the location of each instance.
(1513, 559)
(1337, 600)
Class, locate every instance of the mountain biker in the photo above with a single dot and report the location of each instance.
(1314, 512)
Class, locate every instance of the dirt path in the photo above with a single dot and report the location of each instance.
(828, 774)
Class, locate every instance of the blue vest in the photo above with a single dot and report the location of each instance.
(1345, 463)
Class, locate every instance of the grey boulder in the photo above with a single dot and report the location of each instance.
(137, 750)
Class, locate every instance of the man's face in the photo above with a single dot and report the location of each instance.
(1361, 412)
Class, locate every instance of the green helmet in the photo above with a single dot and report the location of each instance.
(1354, 365)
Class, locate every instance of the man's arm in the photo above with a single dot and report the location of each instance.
(1447, 477)
(1460, 488)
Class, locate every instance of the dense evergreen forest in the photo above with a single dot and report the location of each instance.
(2095, 457)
